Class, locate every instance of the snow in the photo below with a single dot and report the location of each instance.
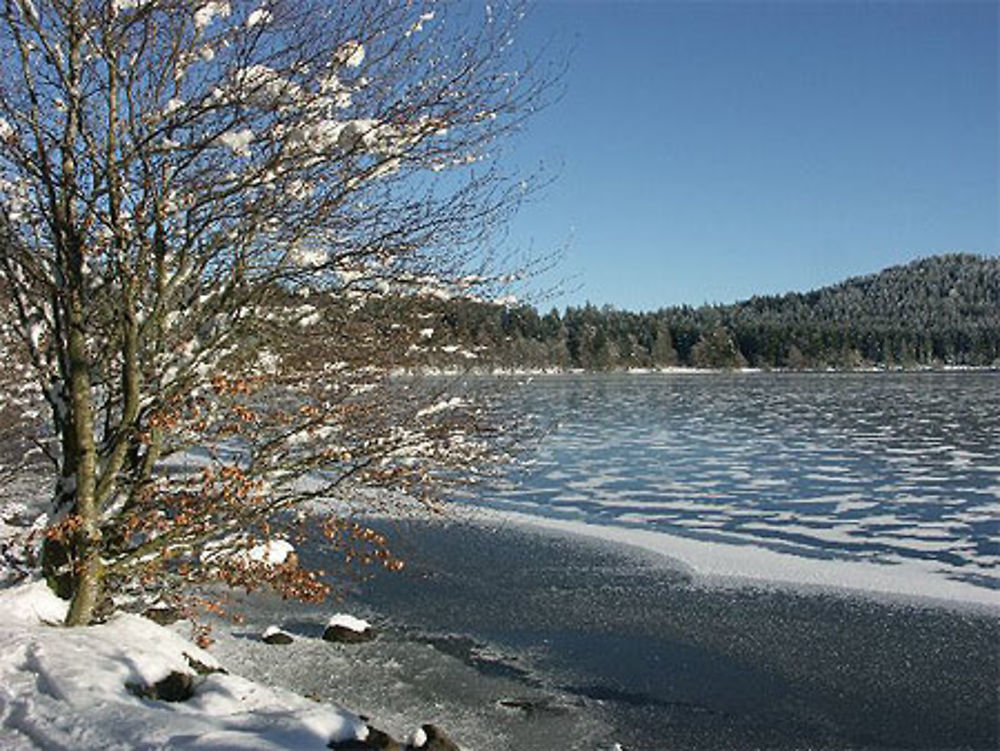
(442, 406)
(362, 130)
(258, 17)
(310, 320)
(262, 85)
(418, 26)
(319, 136)
(173, 105)
(273, 552)
(204, 16)
(351, 54)
(27, 7)
(66, 688)
(36, 333)
(238, 141)
(30, 604)
(349, 622)
(274, 631)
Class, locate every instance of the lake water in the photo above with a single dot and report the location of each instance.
(884, 468)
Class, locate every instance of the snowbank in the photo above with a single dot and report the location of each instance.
(65, 688)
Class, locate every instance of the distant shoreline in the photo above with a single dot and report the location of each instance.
(679, 370)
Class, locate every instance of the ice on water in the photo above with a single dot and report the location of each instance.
(878, 468)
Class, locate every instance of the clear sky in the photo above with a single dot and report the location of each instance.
(709, 151)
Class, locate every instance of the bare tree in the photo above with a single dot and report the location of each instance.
(213, 216)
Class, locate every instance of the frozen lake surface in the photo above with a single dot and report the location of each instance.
(892, 469)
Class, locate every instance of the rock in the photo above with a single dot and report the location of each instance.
(376, 740)
(274, 635)
(346, 635)
(201, 668)
(432, 738)
(532, 706)
(528, 706)
(352, 745)
(175, 687)
(163, 615)
(348, 629)
(272, 552)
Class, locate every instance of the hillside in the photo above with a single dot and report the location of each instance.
(942, 310)
(936, 291)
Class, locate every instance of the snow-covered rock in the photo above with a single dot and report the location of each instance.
(346, 628)
(432, 738)
(349, 622)
(274, 635)
(374, 740)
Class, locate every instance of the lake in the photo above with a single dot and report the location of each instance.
(897, 470)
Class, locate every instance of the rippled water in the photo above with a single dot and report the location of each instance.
(882, 467)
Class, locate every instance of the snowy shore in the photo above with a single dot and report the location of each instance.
(130, 683)
(76, 689)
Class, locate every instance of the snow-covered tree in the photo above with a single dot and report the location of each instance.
(210, 213)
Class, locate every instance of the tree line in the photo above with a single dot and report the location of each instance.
(941, 310)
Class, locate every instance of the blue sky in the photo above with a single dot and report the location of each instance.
(709, 151)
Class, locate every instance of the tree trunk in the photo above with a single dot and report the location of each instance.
(89, 569)
(57, 560)
(86, 541)
(89, 584)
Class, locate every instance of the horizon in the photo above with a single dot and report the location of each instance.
(706, 152)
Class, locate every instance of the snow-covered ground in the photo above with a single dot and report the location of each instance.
(64, 688)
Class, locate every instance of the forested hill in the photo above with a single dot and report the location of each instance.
(943, 310)
(938, 291)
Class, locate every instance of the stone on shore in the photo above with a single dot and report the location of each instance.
(274, 635)
(375, 740)
(432, 738)
(175, 687)
(347, 629)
